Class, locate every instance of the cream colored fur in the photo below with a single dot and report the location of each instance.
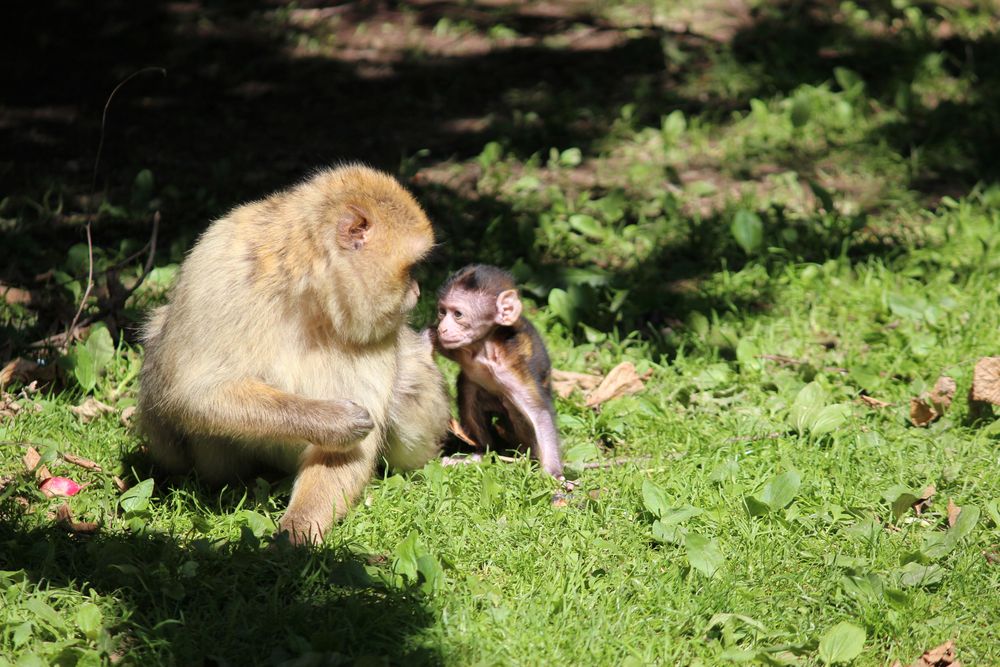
(282, 345)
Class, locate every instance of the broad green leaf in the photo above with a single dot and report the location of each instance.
(587, 226)
(563, 307)
(993, 509)
(800, 112)
(581, 453)
(726, 617)
(89, 358)
(724, 471)
(44, 612)
(703, 554)
(841, 643)
(668, 534)
(698, 323)
(78, 260)
(142, 188)
(811, 396)
(865, 376)
(897, 599)
(32, 660)
(828, 419)
(137, 498)
(23, 632)
(672, 126)
(848, 80)
(714, 376)
(864, 587)
(100, 346)
(654, 498)
(84, 368)
(906, 306)
(88, 620)
(432, 573)
(680, 515)
(780, 490)
(936, 545)
(966, 521)
(748, 355)
(901, 499)
(748, 230)
(258, 524)
(915, 574)
(756, 507)
(405, 557)
(571, 157)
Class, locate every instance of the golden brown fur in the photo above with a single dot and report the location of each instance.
(284, 341)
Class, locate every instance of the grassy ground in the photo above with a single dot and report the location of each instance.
(775, 208)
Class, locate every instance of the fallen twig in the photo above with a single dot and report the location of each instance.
(93, 193)
(760, 436)
(622, 460)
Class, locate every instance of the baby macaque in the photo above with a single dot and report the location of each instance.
(285, 345)
(505, 369)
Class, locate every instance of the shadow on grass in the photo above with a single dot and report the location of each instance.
(256, 95)
(191, 602)
(950, 142)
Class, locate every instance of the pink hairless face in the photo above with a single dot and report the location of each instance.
(466, 317)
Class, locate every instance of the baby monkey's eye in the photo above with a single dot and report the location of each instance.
(442, 312)
(458, 314)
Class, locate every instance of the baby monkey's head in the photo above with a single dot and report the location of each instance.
(473, 302)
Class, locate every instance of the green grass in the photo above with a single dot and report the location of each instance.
(772, 238)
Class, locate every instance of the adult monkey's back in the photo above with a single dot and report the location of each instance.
(282, 341)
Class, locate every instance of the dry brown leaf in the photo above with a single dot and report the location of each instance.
(64, 517)
(90, 409)
(9, 407)
(939, 656)
(121, 484)
(986, 380)
(621, 381)
(925, 499)
(15, 295)
(126, 416)
(953, 512)
(460, 433)
(931, 405)
(943, 393)
(873, 402)
(31, 459)
(922, 414)
(82, 462)
(566, 382)
(31, 463)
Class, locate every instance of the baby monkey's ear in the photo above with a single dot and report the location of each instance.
(508, 308)
(353, 228)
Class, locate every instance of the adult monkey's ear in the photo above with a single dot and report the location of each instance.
(353, 228)
(508, 308)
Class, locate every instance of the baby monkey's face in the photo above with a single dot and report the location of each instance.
(464, 318)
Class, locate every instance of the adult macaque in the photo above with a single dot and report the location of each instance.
(285, 344)
(505, 369)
